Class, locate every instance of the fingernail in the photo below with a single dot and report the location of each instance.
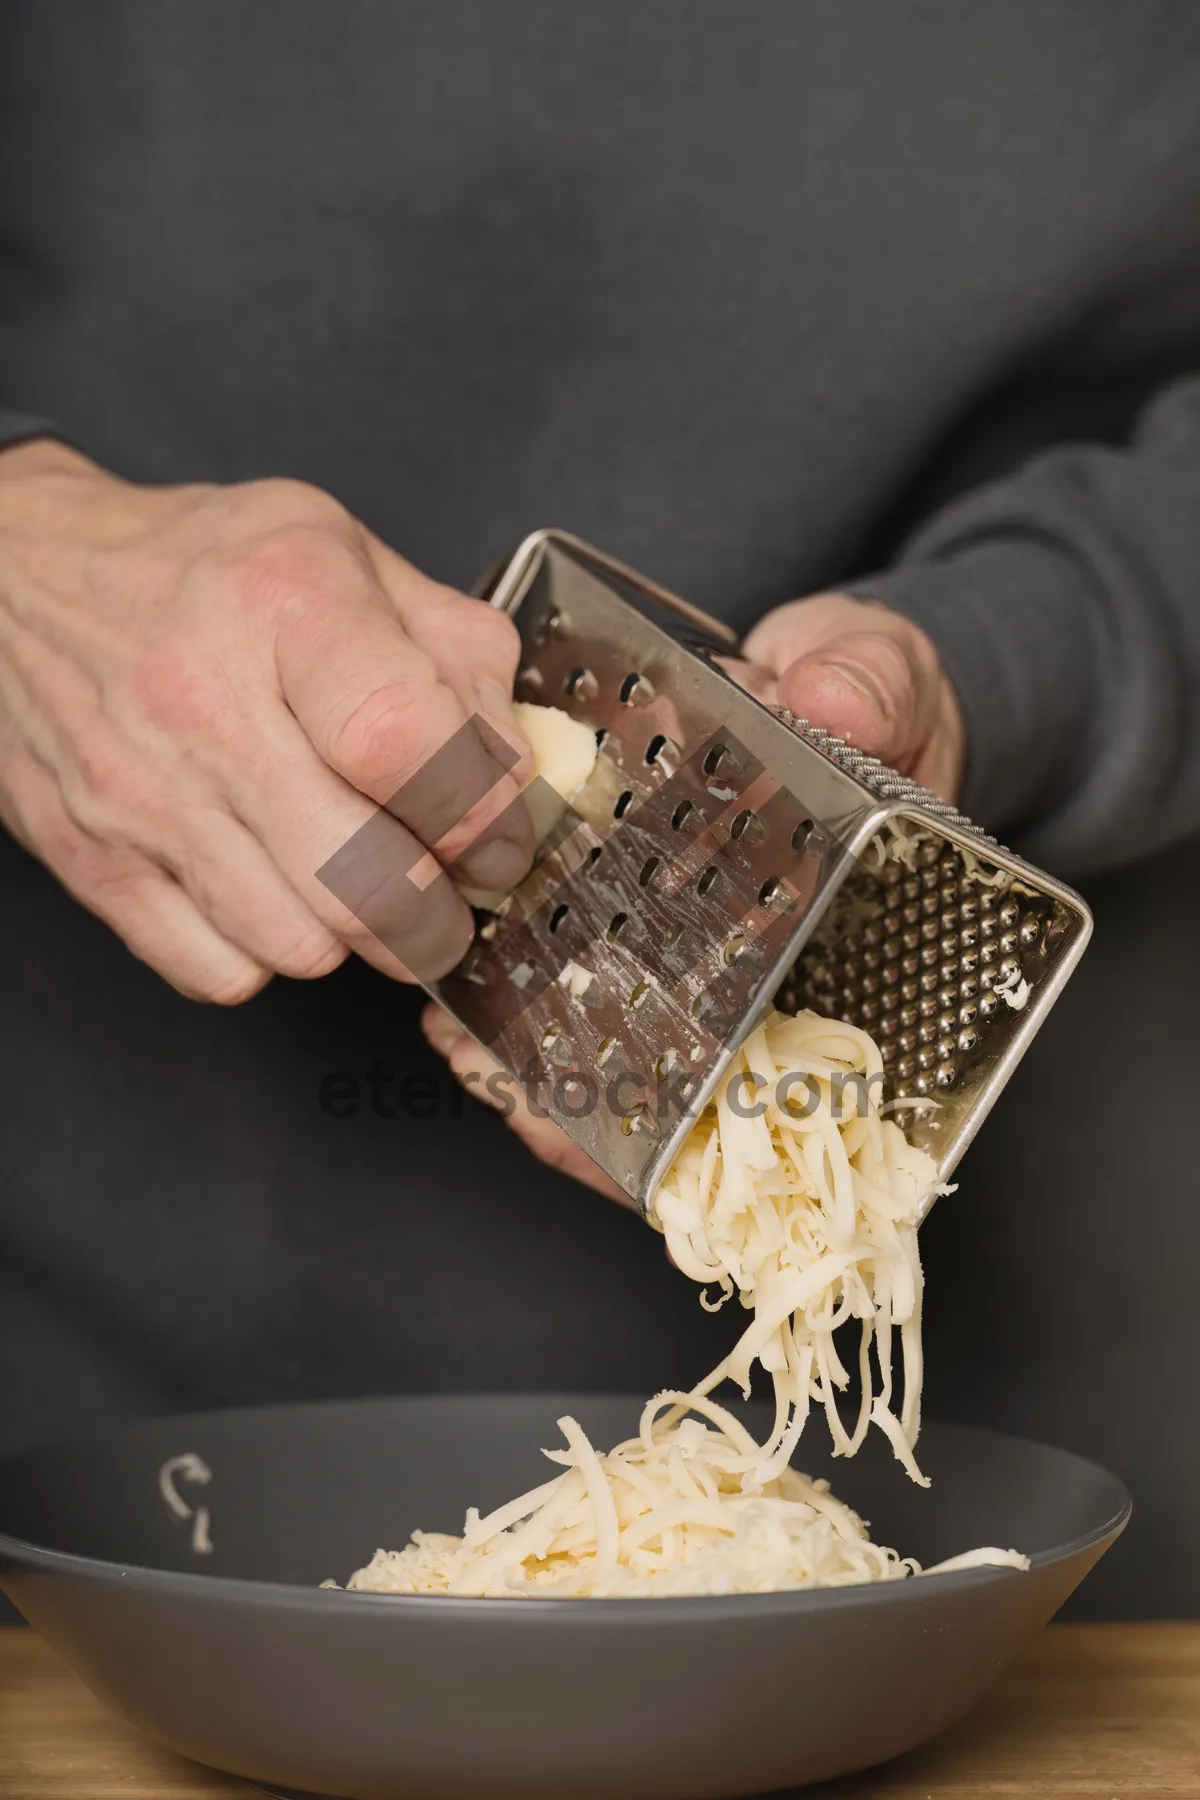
(441, 1030)
(860, 680)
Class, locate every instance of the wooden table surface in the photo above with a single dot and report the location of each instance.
(1090, 1712)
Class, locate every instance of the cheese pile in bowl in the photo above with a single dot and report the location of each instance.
(801, 1198)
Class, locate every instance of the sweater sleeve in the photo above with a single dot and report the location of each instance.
(18, 428)
(1065, 604)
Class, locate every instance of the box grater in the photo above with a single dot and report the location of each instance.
(723, 858)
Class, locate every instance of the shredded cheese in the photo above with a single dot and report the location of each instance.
(1014, 990)
(808, 1211)
(796, 1193)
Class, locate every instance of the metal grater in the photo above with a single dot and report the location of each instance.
(723, 858)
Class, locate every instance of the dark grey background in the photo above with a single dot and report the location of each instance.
(739, 293)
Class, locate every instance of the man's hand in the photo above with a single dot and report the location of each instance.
(206, 692)
(868, 675)
(854, 667)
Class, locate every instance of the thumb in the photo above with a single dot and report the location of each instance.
(870, 676)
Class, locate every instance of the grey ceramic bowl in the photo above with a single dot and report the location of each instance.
(237, 1659)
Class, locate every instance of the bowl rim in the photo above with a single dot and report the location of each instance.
(33, 1558)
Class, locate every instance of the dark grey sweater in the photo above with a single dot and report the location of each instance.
(760, 297)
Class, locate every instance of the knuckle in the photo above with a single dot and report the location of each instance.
(374, 742)
(314, 954)
(90, 867)
(280, 498)
(106, 787)
(101, 767)
(180, 690)
(296, 559)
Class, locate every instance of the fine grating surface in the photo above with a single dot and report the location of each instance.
(915, 955)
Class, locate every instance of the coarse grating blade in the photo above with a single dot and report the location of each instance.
(723, 858)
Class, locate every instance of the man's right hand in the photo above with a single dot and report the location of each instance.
(206, 692)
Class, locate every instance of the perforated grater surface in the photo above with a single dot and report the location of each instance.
(723, 858)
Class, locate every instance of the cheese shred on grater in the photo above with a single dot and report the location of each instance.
(724, 859)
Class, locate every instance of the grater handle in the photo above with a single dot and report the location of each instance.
(506, 581)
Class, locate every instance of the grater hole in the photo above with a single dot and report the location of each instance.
(662, 754)
(581, 684)
(802, 834)
(604, 1050)
(708, 881)
(638, 1118)
(547, 626)
(683, 812)
(615, 926)
(649, 870)
(549, 1038)
(593, 856)
(557, 917)
(665, 1063)
(602, 736)
(719, 757)
(748, 828)
(775, 893)
(734, 948)
(672, 937)
(635, 690)
(639, 995)
(529, 683)
(624, 801)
